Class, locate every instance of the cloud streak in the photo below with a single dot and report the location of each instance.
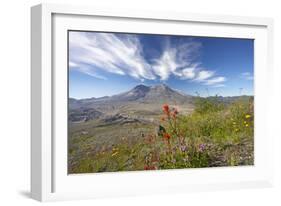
(247, 76)
(107, 52)
(96, 53)
(203, 75)
(217, 81)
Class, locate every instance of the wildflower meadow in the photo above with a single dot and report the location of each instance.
(215, 134)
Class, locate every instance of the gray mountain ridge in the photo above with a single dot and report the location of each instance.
(141, 103)
(140, 93)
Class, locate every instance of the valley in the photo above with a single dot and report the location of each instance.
(111, 133)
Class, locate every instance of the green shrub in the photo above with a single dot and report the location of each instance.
(215, 134)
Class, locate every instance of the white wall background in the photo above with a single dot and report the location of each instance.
(15, 100)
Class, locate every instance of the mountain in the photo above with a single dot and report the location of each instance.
(140, 91)
(142, 103)
(162, 93)
(74, 103)
(157, 94)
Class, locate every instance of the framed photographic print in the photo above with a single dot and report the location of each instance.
(134, 102)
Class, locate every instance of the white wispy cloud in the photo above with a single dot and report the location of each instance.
(247, 76)
(72, 64)
(96, 53)
(215, 81)
(107, 52)
(209, 78)
(166, 65)
(203, 75)
(178, 61)
(189, 73)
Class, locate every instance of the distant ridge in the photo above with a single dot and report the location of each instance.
(139, 104)
(141, 93)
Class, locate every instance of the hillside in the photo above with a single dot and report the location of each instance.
(141, 102)
(218, 132)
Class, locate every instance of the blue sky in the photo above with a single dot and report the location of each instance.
(104, 64)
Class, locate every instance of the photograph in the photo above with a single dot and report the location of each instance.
(140, 102)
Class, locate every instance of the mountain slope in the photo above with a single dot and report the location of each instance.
(140, 94)
(142, 102)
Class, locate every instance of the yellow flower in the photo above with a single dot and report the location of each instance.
(115, 153)
(114, 149)
(233, 122)
(245, 122)
(236, 130)
(246, 125)
(247, 116)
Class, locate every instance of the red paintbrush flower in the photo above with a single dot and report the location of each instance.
(166, 108)
(166, 136)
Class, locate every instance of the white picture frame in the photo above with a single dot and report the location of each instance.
(49, 179)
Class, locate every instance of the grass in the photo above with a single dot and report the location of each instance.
(214, 134)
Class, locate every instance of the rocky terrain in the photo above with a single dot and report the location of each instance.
(141, 103)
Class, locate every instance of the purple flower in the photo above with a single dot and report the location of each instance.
(202, 147)
(183, 148)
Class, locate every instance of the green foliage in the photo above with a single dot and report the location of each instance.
(214, 134)
(208, 105)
